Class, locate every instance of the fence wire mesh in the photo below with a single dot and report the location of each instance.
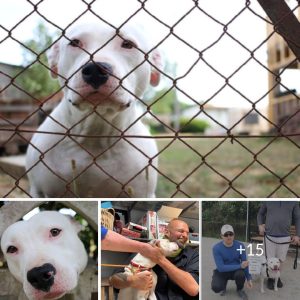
(252, 154)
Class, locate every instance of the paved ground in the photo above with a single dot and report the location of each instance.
(13, 165)
(290, 279)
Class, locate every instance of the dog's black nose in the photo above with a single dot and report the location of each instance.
(96, 74)
(42, 278)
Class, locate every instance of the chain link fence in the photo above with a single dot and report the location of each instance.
(249, 147)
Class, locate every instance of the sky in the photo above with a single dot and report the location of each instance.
(196, 28)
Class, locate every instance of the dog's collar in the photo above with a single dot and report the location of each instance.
(138, 268)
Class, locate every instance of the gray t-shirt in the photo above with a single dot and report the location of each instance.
(278, 217)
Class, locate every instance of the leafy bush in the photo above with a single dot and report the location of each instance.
(196, 125)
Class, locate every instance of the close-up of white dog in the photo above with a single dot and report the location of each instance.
(141, 263)
(45, 254)
(80, 150)
(272, 264)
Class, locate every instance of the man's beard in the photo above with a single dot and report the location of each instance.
(181, 244)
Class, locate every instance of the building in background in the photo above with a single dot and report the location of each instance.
(284, 91)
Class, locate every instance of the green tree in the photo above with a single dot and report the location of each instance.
(36, 79)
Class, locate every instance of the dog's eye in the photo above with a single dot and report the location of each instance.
(127, 44)
(12, 249)
(55, 232)
(75, 43)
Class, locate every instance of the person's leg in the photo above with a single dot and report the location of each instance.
(281, 252)
(270, 251)
(239, 278)
(219, 281)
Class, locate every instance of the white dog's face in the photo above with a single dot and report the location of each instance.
(102, 68)
(169, 248)
(44, 254)
(273, 263)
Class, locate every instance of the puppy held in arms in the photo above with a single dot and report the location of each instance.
(139, 264)
(45, 254)
(94, 144)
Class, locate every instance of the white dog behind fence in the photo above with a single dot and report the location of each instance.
(102, 74)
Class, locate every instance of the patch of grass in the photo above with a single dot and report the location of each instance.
(250, 167)
(215, 167)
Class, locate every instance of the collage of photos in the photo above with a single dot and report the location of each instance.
(149, 150)
(168, 249)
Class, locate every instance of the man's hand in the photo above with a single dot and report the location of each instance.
(141, 280)
(262, 229)
(244, 264)
(296, 239)
(152, 252)
(249, 284)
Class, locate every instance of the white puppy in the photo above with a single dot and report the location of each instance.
(83, 152)
(45, 254)
(273, 267)
(139, 264)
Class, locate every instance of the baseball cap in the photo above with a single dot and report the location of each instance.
(226, 228)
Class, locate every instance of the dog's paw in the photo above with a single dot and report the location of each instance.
(262, 291)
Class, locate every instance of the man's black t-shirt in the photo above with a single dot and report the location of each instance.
(166, 289)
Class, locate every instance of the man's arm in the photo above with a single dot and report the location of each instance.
(296, 218)
(116, 242)
(182, 278)
(261, 214)
(246, 263)
(219, 261)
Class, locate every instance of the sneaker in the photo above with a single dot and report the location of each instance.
(270, 284)
(242, 294)
(223, 293)
(279, 283)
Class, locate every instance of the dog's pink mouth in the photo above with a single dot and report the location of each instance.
(53, 295)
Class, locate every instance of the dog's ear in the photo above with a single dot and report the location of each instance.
(157, 60)
(52, 55)
(77, 226)
(155, 242)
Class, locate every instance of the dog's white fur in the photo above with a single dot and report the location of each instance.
(273, 266)
(168, 248)
(92, 166)
(36, 247)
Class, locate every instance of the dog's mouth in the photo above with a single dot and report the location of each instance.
(54, 295)
(96, 98)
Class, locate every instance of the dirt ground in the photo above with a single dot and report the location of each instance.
(9, 188)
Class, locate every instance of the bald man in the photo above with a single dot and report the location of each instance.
(177, 278)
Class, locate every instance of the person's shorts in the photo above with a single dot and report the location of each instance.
(277, 250)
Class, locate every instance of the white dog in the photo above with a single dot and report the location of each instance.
(45, 254)
(139, 264)
(83, 152)
(273, 267)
